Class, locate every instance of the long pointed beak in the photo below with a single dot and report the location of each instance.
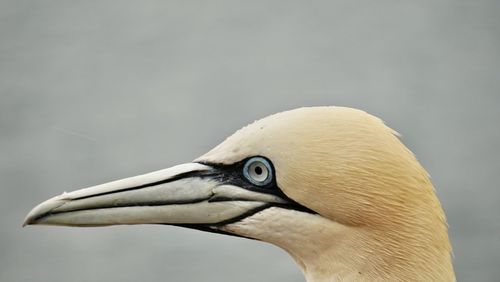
(186, 194)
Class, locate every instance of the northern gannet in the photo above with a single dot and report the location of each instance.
(332, 186)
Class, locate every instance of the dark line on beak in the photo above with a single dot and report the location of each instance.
(212, 228)
(177, 177)
(152, 204)
(206, 228)
(243, 215)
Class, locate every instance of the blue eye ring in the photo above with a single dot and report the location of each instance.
(258, 171)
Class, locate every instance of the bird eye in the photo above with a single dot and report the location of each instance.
(258, 171)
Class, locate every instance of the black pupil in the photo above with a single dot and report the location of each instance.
(258, 170)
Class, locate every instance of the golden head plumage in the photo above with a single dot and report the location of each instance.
(373, 213)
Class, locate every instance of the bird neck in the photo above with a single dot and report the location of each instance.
(329, 251)
(335, 252)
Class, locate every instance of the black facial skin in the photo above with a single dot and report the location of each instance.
(233, 175)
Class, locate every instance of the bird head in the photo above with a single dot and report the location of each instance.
(333, 186)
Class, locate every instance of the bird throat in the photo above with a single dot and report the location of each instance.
(329, 251)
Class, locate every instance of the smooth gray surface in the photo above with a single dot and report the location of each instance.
(92, 91)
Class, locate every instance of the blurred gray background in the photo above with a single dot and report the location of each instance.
(92, 91)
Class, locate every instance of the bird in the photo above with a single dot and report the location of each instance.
(334, 187)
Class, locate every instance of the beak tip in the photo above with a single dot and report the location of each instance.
(31, 218)
(42, 209)
(27, 221)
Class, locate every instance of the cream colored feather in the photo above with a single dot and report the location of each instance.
(378, 215)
